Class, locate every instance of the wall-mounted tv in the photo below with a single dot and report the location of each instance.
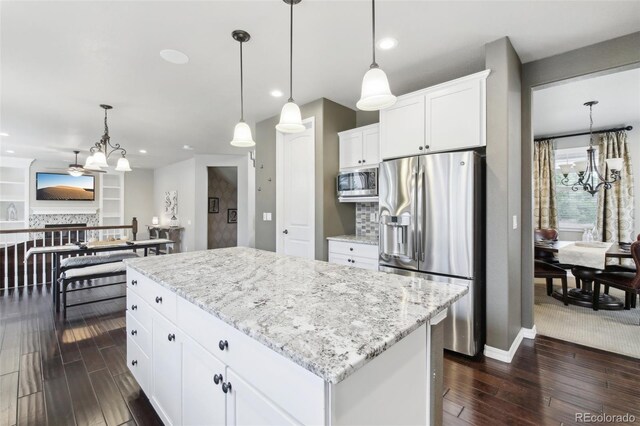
(64, 187)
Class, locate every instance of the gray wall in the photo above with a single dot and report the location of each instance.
(332, 218)
(598, 58)
(364, 118)
(503, 194)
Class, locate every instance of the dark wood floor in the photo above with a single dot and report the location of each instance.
(73, 371)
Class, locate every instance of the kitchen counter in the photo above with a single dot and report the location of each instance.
(359, 239)
(327, 318)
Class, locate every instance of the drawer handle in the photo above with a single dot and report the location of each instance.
(217, 378)
(134, 332)
(171, 337)
(158, 299)
(134, 362)
(363, 161)
(359, 161)
(223, 344)
(226, 387)
(353, 261)
(134, 282)
(350, 248)
(420, 148)
(134, 307)
(426, 147)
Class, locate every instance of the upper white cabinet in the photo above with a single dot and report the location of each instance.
(360, 147)
(445, 117)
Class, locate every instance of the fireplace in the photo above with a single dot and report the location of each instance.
(64, 237)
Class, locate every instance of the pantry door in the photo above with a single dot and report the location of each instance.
(295, 192)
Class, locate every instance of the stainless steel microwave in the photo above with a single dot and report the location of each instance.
(358, 183)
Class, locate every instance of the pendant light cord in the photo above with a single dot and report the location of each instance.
(590, 125)
(241, 87)
(291, 55)
(373, 33)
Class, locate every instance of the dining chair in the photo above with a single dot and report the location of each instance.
(550, 272)
(550, 234)
(629, 282)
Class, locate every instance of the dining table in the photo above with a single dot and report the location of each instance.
(583, 296)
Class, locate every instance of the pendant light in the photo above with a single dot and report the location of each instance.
(242, 133)
(103, 149)
(290, 117)
(375, 94)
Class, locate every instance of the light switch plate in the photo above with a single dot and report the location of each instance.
(515, 221)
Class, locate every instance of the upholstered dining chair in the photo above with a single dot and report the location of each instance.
(629, 282)
(550, 272)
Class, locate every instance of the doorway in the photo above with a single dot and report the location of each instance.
(222, 206)
(295, 192)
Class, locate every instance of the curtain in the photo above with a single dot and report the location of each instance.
(615, 205)
(545, 213)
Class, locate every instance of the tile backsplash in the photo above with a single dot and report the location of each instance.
(365, 227)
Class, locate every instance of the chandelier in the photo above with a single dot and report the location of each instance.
(589, 177)
(104, 148)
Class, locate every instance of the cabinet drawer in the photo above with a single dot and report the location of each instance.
(156, 296)
(139, 334)
(138, 309)
(137, 282)
(354, 261)
(354, 249)
(294, 389)
(139, 365)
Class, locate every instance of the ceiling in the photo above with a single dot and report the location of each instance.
(60, 59)
(559, 109)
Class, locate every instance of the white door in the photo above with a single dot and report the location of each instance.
(371, 147)
(296, 194)
(167, 374)
(351, 150)
(402, 130)
(248, 407)
(454, 116)
(203, 401)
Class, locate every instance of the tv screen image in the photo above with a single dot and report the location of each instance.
(64, 187)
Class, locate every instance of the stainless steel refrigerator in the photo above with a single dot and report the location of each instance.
(431, 215)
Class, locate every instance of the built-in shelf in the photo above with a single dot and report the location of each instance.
(11, 221)
(110, 187)
(111, 215)
(10, 182)
(10, 200)
(110, 199)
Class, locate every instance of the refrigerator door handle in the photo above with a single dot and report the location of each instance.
(419, 213)
(416, 223)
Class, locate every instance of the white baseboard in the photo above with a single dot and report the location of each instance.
(529, 333)
(502, 355)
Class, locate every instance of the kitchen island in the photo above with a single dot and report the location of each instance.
(241, 336)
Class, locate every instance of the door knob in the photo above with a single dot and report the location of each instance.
(217, 378)
(171, 337)
(134, 282)
(134, 332)
(285, 231)
(359, 161)
(426, 147)
(226, 387)
(134, 362)
(134, 307)
(223, 344)
(158, 299)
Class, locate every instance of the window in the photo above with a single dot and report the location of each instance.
(577, 210)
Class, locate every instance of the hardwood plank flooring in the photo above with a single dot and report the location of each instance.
(73, 372)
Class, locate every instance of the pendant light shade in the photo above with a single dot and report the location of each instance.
(89, 165)
(242, 137)
(123, 165)
(290, 116)
(290, 119)
(99, 159)
(375, 94)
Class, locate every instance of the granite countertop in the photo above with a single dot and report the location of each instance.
(360, 239)
(329, 319)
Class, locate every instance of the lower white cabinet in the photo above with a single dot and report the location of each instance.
(167, 379)
(203, 401)
(358, 255)
(248, 407)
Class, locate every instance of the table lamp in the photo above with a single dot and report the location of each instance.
(154, 220)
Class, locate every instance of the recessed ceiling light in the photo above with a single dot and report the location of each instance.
(276, 93)
(174, 56)
(387, 43)
(10, 151)
(4, 134)
(142, 151)
(187, 147)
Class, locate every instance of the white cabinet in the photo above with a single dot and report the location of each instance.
(248, 407)
(445, 117)
(166, 373)
(360, 147)
(402, 128)
(111, 200)
(358, 255)
(203, 402)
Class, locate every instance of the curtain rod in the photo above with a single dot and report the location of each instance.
(616, 129)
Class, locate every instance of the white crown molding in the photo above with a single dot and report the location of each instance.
(502, 355)
(64, 210)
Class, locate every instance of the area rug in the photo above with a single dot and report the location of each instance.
(613, 331)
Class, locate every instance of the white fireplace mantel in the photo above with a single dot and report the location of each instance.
(64, 210)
